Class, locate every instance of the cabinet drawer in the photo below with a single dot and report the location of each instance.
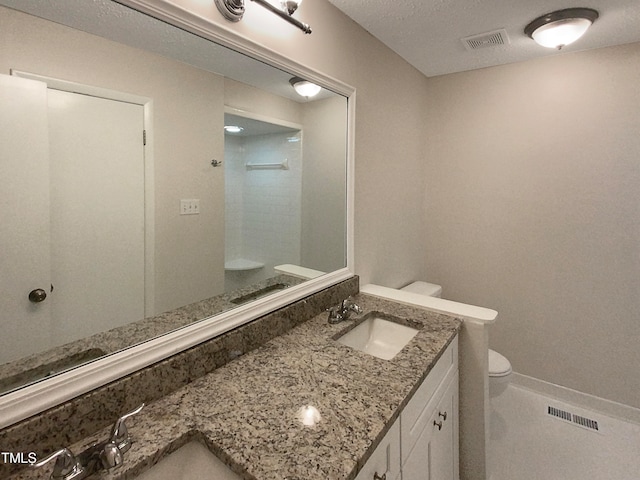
(417, 413)
(385, 460)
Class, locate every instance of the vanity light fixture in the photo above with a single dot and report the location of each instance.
(562, 27)
(233, 10)
(305, 88)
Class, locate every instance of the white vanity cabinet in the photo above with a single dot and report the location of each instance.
(423, 443)
(429, 424)
(384, 463)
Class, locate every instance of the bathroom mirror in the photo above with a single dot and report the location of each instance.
(132, 219)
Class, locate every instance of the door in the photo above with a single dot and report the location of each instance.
(72, 216)
(24, 217)
(97, 213)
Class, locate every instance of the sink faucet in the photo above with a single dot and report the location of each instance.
(101, 456)
(343, 311)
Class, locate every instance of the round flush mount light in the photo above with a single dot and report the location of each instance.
(233, 129)
(305, 88)
(562, 27)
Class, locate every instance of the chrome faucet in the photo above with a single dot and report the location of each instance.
(105, 455)
(343, 311)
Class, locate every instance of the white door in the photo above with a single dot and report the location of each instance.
(24, 217)
(97, 213)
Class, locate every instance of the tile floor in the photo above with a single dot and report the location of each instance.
(529, 444)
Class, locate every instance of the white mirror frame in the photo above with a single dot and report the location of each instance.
(36, 398)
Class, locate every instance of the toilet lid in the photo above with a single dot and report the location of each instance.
(424, 288)
(499, 366)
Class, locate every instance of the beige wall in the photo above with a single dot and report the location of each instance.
(187, 127)
(324, 192)
(254, 100)
(533, 209)
(389, 166)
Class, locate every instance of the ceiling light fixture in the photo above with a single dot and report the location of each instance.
(560, 28)
(233, 129)
(305, 88)
(233, 10)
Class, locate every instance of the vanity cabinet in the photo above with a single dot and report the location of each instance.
(423, 443)
(384, 463)
(434, 455)
(429, 424)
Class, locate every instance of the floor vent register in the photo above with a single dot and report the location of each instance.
(572, 418)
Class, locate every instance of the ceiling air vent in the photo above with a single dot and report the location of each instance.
(489, 39)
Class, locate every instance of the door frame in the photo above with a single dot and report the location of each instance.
(149, 194)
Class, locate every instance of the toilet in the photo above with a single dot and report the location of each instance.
(499, 373)
(499, 366)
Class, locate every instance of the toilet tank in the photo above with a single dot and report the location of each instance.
(424, 288)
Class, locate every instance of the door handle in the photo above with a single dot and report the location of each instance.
(38, 295)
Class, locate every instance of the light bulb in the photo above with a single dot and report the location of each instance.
(561, 33)
(290, 6)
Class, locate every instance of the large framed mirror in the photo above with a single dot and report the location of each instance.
(158, 189)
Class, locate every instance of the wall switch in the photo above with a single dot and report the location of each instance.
(189, 207)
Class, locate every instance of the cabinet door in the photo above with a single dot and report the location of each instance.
(435, 455)
(416, 416)
(444, 445)
(385, 460)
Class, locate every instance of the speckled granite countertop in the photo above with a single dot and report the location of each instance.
(39, 365)
(247, 411)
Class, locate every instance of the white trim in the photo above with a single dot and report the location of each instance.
(82, 88)
(33, 399)
(148, 153)
(577, 398)
(467, 312)
(36, 398)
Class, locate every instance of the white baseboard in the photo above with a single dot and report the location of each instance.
(579, 399)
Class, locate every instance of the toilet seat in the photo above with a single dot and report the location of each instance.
(499, 366)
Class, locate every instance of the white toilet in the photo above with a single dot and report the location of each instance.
(499, 366)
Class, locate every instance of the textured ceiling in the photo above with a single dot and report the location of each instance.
(428, 33)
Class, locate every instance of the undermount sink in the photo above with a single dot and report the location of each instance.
(379, 335)
(193, 461)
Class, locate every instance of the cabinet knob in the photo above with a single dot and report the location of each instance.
(438, 424)
(379, 477)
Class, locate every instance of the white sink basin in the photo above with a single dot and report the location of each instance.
(193, 461)
(378, 336)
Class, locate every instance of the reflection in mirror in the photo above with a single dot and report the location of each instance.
(127, 211)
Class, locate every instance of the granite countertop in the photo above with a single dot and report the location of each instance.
(41, 365)
(247, 412)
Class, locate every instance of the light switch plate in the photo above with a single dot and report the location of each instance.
(189, 206)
